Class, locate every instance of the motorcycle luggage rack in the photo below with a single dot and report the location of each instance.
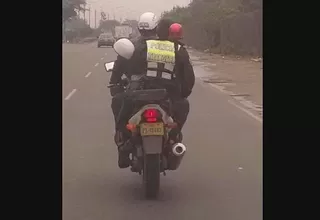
(148, 95)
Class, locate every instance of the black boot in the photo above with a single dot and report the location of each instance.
(123, 150)
(123, 159)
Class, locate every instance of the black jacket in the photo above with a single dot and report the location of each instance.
(123, 66)
(184, 71)
(138, 64)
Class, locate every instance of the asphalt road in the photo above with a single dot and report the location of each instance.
(220, 177)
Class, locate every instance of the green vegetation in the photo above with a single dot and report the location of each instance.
(74, 27)
(71, 7)
(222, 26)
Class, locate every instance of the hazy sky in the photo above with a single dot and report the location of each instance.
(130, 9)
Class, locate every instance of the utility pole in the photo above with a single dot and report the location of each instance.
(64, 31)
(90, 17)
(95, 19)
(84, 14)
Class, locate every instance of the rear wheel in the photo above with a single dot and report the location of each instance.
(151, 175)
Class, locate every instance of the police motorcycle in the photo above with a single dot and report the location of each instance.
(151, 152)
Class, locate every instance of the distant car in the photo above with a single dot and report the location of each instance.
(106, 39)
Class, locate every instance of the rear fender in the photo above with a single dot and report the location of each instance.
(152, 144)
(136, 118)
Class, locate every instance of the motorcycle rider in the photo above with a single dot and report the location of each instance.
(147, 27)
(149, 50)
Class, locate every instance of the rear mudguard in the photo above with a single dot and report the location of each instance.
(136, 118)
(152, 144)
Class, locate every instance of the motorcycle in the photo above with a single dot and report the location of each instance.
(151, 150)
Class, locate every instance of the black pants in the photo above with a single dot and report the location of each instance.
(122, 111)
(181, 108)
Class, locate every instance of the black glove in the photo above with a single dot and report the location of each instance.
(116, 90)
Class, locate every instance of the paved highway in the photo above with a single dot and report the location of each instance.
(220, 177)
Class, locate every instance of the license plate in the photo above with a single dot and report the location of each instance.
(151, 129)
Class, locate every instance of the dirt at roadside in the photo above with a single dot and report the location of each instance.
(240, 77)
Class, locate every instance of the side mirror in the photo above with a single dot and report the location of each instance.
(124, 48)
(109, 66)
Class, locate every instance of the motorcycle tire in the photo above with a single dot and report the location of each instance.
(151, 175)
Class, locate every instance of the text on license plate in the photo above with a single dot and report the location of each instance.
(149, 129)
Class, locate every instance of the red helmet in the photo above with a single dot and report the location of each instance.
(175, 31)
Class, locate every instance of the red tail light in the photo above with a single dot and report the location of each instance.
(151, 115)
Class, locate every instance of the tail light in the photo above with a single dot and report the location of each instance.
(151, 115)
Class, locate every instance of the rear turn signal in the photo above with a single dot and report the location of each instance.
(131, 127)
(172, 125)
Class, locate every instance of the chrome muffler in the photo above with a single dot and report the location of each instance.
(179, 149)
(175, 158)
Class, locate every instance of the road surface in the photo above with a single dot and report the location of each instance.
(220, 177)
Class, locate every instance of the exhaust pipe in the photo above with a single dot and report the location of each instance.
(179, 149)
(174, 160)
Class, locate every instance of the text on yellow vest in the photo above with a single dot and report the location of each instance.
(160, 51)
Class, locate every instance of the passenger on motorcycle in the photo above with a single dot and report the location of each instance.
(147, 27)
(168, 30)
(176, 33)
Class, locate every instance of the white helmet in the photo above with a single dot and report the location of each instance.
(147, 21)
(124, 47)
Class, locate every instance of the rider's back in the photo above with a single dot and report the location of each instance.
(138, 62)
(139, 65)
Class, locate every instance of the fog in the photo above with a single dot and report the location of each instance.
(129, 9)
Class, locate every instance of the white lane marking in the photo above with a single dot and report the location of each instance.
(102, 58)
(96, 64)
(70, 94)
(232, 102)
(245, 110)
(88, 74)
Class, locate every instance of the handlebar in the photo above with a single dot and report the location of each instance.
(122, 83)
(112, 85)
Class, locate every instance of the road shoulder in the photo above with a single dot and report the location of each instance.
(239, 78)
